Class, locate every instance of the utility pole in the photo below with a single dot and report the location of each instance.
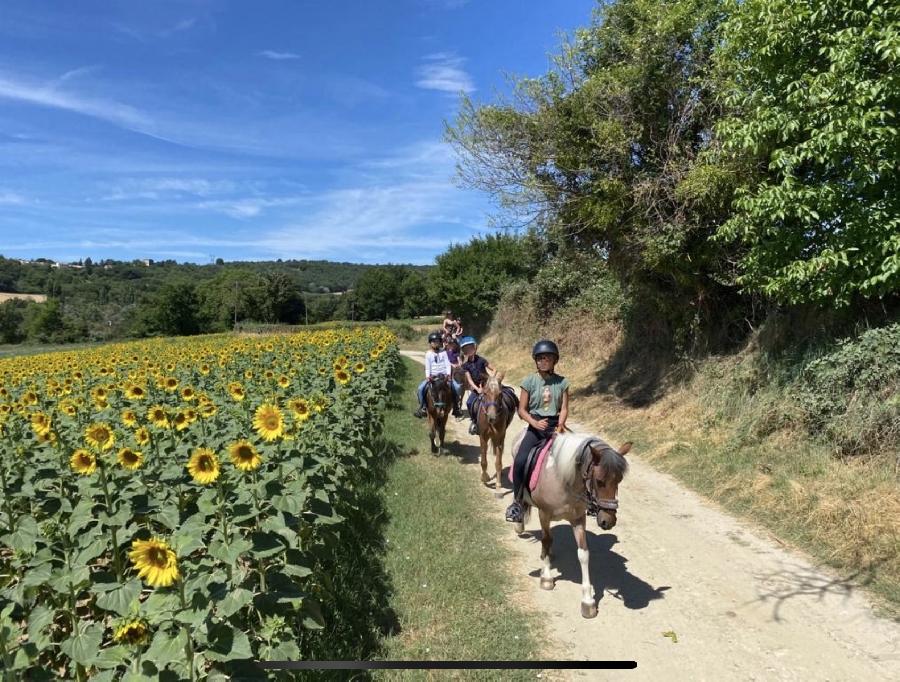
(305, 309)
(236, 290)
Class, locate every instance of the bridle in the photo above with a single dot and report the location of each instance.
(594, 503)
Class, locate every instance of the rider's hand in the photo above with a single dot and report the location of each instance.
(541, 425)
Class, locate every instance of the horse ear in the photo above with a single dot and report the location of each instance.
(626, 448)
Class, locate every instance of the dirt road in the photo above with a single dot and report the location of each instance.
(691, 593)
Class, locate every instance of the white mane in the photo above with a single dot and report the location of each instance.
(566, 451)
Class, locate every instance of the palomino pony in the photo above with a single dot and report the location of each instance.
(496, 410)
(438, 403)
(579, 475)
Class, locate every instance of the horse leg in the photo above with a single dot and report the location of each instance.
(588, 605)
(431, 434)
(484, 446)
(442, 432)
(546, 542)
(498, 466)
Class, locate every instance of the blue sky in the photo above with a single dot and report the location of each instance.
(200, 129)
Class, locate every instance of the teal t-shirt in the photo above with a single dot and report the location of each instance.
(545, 395)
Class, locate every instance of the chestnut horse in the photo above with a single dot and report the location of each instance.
(438, 403)
(579, 475)
(496, 410)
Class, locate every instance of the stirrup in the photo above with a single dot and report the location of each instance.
(473, 429)
(419, 413)
(515, 513)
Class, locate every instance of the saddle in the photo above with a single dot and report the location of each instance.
(534, 464)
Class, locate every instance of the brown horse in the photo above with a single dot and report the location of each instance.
(496, 410)
(438, 403)
(580, 474)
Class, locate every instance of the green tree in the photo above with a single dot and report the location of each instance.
(468, 278)
(175, 310)
(604, 153)
(379, 292)
(45, 323)
(813, 88)
(11, 319)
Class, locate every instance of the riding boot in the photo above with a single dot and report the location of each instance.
(420, 413)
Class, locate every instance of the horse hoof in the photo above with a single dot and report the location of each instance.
(520, 528)
(548, 584)
(485, 478)
(588, 610)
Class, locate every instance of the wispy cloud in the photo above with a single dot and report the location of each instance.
(278, 56)
(183, 25)
(11, 199)
(154, 188)
(444, 71)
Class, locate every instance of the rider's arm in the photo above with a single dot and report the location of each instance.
(472, 386)
(428, 356)
(563, 411)
(523, 406)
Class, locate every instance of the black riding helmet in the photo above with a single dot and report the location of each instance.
(545, 346)
(435, 336)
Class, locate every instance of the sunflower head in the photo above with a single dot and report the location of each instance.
(155, 561)
(342, 377)
(244, 456)
(40, 423)
(130, 459)
(268, 422)
(203, 466)
(300, 408)
(158, 417)
(142, 436)
(129, 418)
(83, 462)
(134, 633)
(100, 435)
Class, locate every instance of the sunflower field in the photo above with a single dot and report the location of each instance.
(164, 503)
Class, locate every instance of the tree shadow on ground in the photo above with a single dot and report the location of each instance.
(790, 583)
(608, 571)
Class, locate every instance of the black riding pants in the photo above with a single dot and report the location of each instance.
(532, 438)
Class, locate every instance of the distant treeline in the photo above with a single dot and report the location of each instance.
(114, 299)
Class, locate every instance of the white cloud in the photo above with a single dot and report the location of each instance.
(278, 56)
(11, 199)
(108, 110)
(154, 188)
(443, 71)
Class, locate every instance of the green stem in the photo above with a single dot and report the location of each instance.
(189, 647)
(112, 529)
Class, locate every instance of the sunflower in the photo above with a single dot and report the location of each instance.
(134, 633)
(158, 417)
(155, 561)
(283, 381)
(244, 456)
(170, 384)
(83, 462)
(181, 421)
(208, 410)
(40, 422)
(359, 368)
(268, 422)
(135, 392)
(300, 408)
(130, 459)
(100, 435)
(188, 394)
(203, 466)
(142, 436)
(68, 408)
(129, 418)
(342, 377)
(236, 391)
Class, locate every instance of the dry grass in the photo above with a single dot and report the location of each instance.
(37, 298)
(751, 458)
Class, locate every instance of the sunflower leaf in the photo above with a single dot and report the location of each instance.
(266, 545)
(229, 553)
(234, 602)
(83, 645)
(165, 648)
(227, 643)
(120, 599)
(25, 535)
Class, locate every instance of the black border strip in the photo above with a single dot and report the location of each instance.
(447, 665)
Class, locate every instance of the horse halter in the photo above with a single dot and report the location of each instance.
(595, 504)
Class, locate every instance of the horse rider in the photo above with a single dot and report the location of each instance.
(544, 406)
(476, 369)
(456, 361)
(452, 327)
(437, 363)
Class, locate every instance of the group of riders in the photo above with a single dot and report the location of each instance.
(543, 399)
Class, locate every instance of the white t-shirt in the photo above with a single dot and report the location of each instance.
(436, 363)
